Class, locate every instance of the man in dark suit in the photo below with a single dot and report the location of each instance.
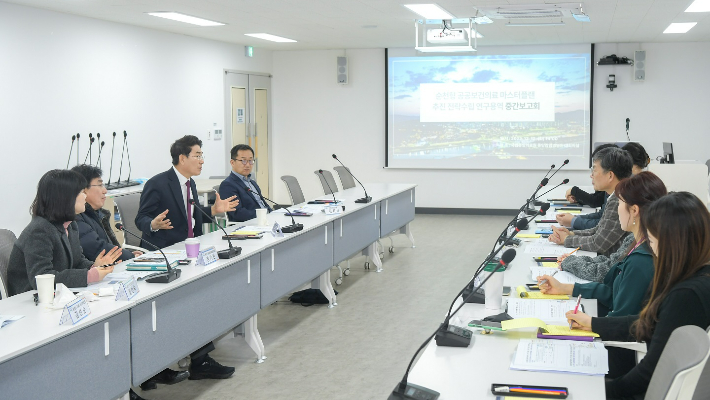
(237, 183)
(169, 194)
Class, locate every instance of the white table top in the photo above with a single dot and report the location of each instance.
(460, 373)
(41, 326)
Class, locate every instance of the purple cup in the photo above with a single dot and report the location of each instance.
(192, 246)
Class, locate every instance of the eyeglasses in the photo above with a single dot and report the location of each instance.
(200, 157)
(245, 161)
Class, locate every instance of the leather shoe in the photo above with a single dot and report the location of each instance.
(210, 369)
(133, 395)
(166, 377)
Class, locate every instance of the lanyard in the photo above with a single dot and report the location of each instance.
(637, 245)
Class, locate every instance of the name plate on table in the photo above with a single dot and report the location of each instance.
(207, 256)
(332, 210)
(127, 289)
(276, 230)
(75, 311)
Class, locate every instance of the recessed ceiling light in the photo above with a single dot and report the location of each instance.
(270, 37)
(429, 11)
(680, 27)
(535, 24)
(369, 26)
(185, 18)
(699, 6)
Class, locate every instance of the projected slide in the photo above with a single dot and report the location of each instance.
(489, 111)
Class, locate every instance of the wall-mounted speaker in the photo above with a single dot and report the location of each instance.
(342, 70)
(640, 65)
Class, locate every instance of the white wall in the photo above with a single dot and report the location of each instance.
(314, 117)
(61, 74)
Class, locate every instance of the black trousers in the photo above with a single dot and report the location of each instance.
(198, 356)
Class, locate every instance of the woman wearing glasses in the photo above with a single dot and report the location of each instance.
(95, 233)
(50, 243)
(678, 226)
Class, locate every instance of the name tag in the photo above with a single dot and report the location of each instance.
(276, 230)
(127, 289)
(207, 256)
(75, 311)
(332, 210)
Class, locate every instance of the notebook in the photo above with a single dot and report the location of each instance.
(524, 294)
(587, 358)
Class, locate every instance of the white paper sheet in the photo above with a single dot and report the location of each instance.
(562, 276)
(6, 320)
(587, 358)
(550, 311)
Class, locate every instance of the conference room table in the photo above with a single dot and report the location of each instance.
(460, 373)
(128, 341)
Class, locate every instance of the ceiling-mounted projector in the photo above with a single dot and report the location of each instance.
(448, 36)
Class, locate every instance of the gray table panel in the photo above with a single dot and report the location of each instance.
(355, 231)
(70, 367)
(190, 316)
(296, 262)
(397, 211)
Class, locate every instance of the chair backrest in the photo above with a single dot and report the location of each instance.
(346, 179)
(681, 363)
(7, 241)
(128, 208)
(294, 189)
(702, 391)
(708, 164)
(218, 177)
(327, 181)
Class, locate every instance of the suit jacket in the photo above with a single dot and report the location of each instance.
(93, 234)
(246, 209)
(44, 248)
(163, 192)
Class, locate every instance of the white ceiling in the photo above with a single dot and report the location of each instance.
(337, 24)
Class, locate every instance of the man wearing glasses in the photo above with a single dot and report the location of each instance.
(236, 184)
(94, 223)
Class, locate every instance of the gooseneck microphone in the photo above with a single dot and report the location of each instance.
(78, 142)
(627, 128)
(110, 171)
(128, 155)
(88, 153)
(73, 138)
(564, 182)
(161, 277)
(455, 336)
(101, 148)
(365, 199)
(294, 227)
(558, 169)
(320, 171)
(548, 171)
(226, 253)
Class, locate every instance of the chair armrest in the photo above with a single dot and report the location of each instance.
(639, 348)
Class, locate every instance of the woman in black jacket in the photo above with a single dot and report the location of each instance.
(678, 226)
(50, 243)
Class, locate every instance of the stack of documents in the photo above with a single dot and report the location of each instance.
(545, 329)
(587, 358)
(523, 294)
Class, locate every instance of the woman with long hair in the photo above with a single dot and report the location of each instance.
(628, 271)
(678, 228)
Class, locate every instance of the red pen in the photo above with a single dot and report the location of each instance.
(579, 298)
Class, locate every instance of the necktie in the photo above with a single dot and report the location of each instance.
(190, 233)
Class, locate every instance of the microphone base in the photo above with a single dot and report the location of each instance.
(366, 199)
(166, 277)
(119, 184)
(292, 228)
(477, 298)
(414, 392)
(229, 253)
(538, 203)
(453, 336)
(531, 211)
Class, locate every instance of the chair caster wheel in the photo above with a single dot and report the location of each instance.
(339, 281)
(346, 272)
(367, 265)
(391, 249)
(382, 256)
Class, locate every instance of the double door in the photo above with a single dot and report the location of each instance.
(247, 110)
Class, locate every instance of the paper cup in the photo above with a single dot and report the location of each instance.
(494, 290)
(192, 247)
(261, 216)
(45, 288)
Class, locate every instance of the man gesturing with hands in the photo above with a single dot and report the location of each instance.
(165, 215)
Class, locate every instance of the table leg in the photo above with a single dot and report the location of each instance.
(373, 254)
(406, 230)
(323, 283)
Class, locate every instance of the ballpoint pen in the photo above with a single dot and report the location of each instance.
(545, 280)
(579, 298)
